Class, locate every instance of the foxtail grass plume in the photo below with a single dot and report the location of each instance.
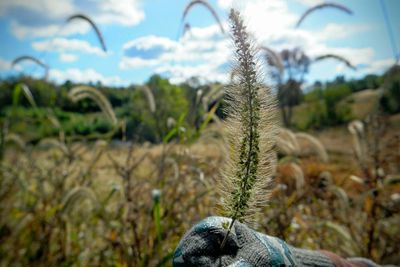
(21, 87)
(150, 98)
(251, 131)
(341, 195)
(52, 118)
(356, 179)
(322, 6)
(273, 58)
(298, 175)
(309, 142)
(339, 58)
(34, 60)
(93, 25)
(209, 8)
(15, 139)
(24, 89)
(286, 143)
(356, 128)
(80, 92)
(215, 94)
(76, 196)
(53, 142)
(347, 241)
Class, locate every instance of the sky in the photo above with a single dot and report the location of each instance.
(144, 37)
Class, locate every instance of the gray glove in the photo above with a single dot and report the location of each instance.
(244, 247)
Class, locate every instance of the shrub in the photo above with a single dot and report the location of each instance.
(326, 106)
(390, 100)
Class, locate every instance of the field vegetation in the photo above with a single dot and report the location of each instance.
(93, 175)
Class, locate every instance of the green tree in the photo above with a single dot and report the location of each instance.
(170, 102)
(390, 101)
(326, 106)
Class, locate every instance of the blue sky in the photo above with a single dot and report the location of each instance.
(144, 37)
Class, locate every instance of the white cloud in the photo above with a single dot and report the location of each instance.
(84, 76)
(356, 56)
(135, 62)
(225, 4)
(265, 19)
(124, 12)
(201, 52)
(60, 76)
(4, 64)
(180, 73)
(310, 2)
(68, 58)
(22, 31)
(62, 45)
(45, 18)
(333, 31)
(52, 9)
(378, 66)
(273, 25)
(149, 42)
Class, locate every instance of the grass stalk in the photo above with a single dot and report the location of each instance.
(250, 107)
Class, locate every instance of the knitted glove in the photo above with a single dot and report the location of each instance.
(244, 247)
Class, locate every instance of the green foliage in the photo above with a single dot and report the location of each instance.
(390, 101)
(82, 92)
(83, 118)
(2, 138)
(290, 93)
(170, 102)
(337, 112)
(326, 107)
(370, 81)
(319, 108)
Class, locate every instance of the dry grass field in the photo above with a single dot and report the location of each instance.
(97, 205)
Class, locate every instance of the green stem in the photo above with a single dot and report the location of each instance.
(226, 235)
